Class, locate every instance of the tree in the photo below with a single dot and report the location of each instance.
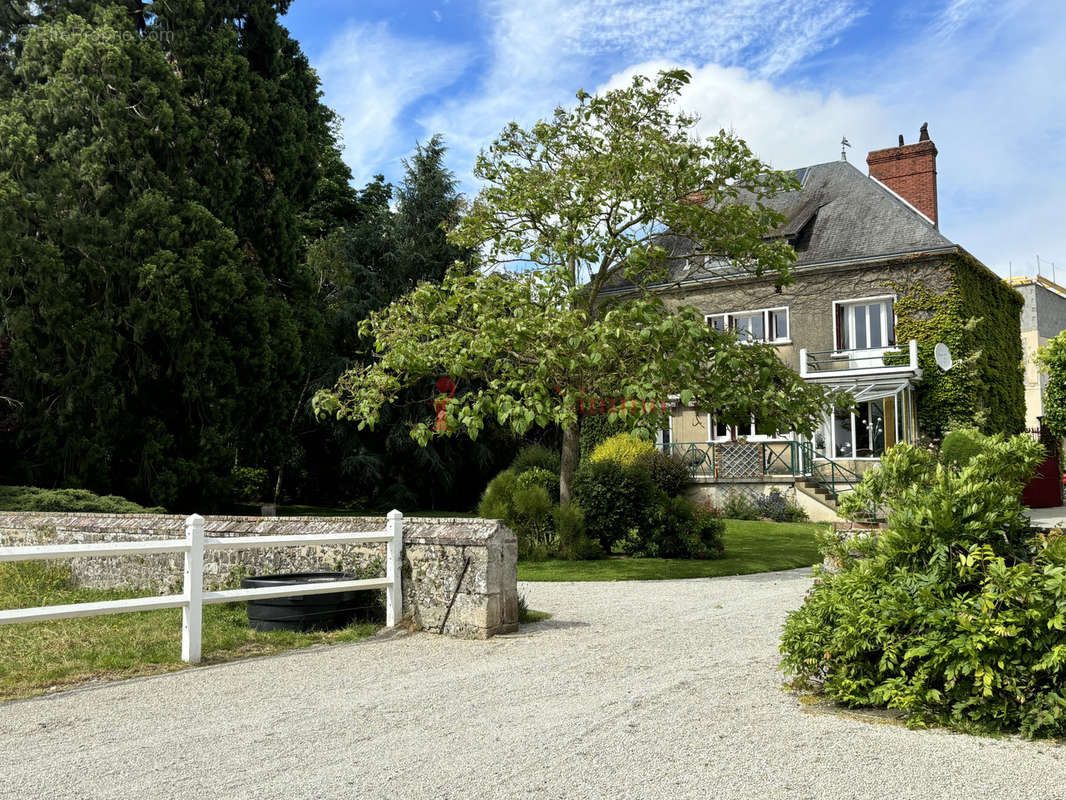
(583, 204)
(153, 284)
(428, 206)
(1052, 357)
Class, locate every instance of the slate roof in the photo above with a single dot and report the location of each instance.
(839, 215)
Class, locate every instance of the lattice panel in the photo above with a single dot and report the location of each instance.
(740, 460)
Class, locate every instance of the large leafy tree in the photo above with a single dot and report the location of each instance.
(154, 201)
(582, 204)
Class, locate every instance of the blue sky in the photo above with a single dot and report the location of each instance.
(789, 76)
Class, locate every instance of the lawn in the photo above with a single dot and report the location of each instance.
(37, 657)
(749, 547)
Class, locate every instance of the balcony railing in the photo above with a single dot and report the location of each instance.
(725, 461)
(851, 363)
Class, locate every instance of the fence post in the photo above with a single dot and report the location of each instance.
(192, 611)
(393, 568)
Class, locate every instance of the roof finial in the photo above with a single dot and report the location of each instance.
(901, 140)
(923, 136)
(843, 144)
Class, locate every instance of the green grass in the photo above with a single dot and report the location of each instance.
(37, 657)
(749, 547)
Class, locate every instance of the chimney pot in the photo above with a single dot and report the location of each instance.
(910, 171)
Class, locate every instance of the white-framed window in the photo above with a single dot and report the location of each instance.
(758, 325)
(853, 435)
(665, 434)
(867, 323)
(753, 432)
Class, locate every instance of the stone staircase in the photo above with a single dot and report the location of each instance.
(817, 492)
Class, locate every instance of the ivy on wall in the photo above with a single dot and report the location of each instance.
(979, 319)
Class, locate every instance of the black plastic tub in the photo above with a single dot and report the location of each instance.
(310, 611)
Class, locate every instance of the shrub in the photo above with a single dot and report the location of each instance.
(739, 506)
(496, 501)
(667, 472)
(774, 505)
(907, 471)
(31, 498)
(960, 446)
(615, 499)
(624, 450)
(955, 616)
(677, 529)
(536, 456)
(524, 504)
(574, 543)
(599, 428)
(538, 476)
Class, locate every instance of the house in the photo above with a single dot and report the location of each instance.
(1043, 318)
(877, 287)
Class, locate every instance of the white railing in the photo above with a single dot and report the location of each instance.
(194, 598)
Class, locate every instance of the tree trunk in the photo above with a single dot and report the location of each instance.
(568, 466)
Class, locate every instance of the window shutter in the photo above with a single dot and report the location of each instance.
(890, 321)
(842, 339)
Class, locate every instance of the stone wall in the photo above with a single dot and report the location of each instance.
(466, 565)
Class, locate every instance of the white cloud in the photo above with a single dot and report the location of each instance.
(542, 52)
(370, 76)
(786, 127)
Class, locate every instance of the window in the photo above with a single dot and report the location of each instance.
(760, 325)
(664, 436)
(867, 324)
(858, 435)
(719, 322)
(752, 431)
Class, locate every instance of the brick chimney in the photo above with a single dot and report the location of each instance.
(910, 171)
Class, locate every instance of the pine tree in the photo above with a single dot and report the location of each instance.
(429, 205)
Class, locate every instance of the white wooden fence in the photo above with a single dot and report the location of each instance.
(194, 598)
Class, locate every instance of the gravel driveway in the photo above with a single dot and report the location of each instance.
(633, 690)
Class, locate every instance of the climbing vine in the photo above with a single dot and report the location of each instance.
(984, 387)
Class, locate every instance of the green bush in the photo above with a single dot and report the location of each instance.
(960, 446)
(538, 476)
(739, 506)
(903, 470)
(496, 502)
(955, 615)
(31, 498)
(625, 450)
(574, 543)
(536, 456)
(524, 504)
(615, 499)
(677, 529)
(668, 472)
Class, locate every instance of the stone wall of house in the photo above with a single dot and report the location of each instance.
(810, 299)
(459, 575)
